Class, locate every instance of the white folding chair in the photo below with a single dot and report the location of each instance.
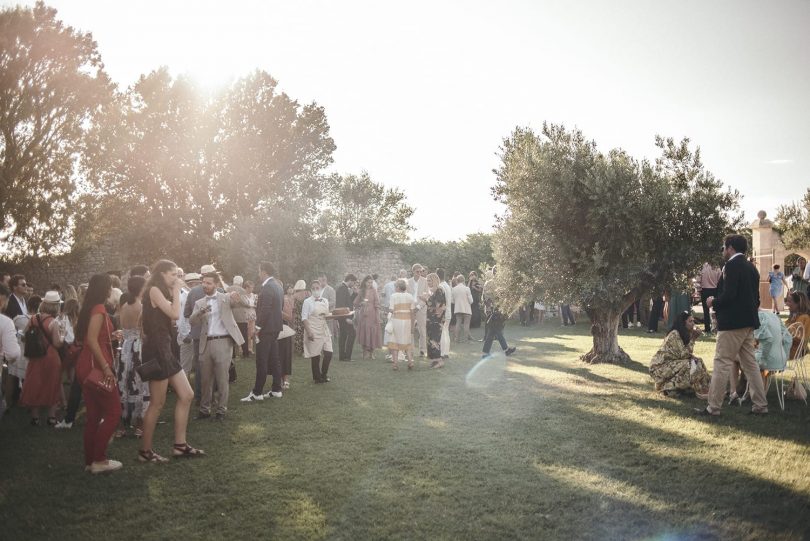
(796, 363)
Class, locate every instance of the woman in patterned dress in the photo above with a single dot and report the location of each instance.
(674, 368)
(436, 309)
(134, 392)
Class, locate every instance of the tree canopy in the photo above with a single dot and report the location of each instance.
(52, 85)
(598, 229)
(357, 210)
(793, 221)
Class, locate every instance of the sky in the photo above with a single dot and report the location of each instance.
(421, 94)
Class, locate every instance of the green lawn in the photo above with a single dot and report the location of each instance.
(539, 447)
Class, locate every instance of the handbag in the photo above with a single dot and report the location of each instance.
(96, 376)
(150, 370)
(389, 327)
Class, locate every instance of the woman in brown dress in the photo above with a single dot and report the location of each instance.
(367, 317)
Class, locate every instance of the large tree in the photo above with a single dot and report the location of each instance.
(793, 221)
(52, 84)
(187, 168)
(472, 253)
(357, 211)
(599, 229)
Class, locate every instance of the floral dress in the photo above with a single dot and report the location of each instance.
(134, 392)
(675, 368)
(298, 325)
(436, 310)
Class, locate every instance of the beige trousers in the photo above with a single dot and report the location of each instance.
(736, 346)
(215, 362)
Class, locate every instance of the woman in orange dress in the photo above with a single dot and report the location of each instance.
(42, 387)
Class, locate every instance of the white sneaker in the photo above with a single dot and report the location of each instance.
(63, 424)
(273, 394)
(104, 467)
(252, 398)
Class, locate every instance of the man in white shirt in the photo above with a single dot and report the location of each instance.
(191, 279)
(448, 314)
(417, 286)
(709, 276)
(218, 334)
(462, 302)
(388, 291)
(328, 292)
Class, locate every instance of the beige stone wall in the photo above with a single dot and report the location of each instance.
(384, 261)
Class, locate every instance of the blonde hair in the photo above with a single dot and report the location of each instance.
(50, 308)
(433, 277)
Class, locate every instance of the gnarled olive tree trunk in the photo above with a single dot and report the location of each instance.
(605, 331)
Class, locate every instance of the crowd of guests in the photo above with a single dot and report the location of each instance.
(122, 341)
(753, 343)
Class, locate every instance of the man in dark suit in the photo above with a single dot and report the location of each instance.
(736, 307)
(344, 298)
(268, 325)
(17, 304)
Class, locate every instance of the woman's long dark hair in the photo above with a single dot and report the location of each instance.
(364, 284)
(98, 291)
(680, 326)
(134, 288)
(156, 279)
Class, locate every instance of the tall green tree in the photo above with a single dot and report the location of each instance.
(186, 168)
(599, 229)
(793, 221)
(357, 211)
(52, 85)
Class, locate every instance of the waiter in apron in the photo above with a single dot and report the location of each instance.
(317, 336)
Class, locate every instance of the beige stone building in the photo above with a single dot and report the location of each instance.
(768, 251)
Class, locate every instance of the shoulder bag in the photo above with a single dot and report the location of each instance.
(96, 376)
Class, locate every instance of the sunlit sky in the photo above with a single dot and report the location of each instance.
(421, 94)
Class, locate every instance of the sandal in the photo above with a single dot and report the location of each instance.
(151, 456)
(121, 432)
(395, 366)
(410, 365)
(34, 421)
(51, 421)
(184, 450)
(138, 432)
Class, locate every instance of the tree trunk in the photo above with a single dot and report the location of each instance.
(605, 331)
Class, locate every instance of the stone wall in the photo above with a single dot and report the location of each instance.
(77, 267)
(383, 261)
(74, 268)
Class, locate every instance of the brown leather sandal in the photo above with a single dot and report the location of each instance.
(184, 450)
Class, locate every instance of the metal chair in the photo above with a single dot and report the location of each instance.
(795, 363)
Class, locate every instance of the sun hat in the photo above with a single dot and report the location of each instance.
(52, 296)
(205, 269)
(192, 277)
(300, 285)
(238, 280)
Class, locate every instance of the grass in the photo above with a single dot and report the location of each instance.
(539, 447)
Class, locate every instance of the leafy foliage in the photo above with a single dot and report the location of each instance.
(52, 86)
(599, 229)
(359, 211)
(794, 223)
(474, 252)
(185, 169)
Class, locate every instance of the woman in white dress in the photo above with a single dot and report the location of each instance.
(317, 336)
(401, 317)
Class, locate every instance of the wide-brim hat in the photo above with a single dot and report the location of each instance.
(238, 280)
(300, 285)
(192, 277)
(205, 269)
(52, 296)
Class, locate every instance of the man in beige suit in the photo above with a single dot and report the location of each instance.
(417, 286)
(218, 334)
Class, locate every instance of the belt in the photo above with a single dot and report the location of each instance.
(218, 337)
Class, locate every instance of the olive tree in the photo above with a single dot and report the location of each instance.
(599, 229)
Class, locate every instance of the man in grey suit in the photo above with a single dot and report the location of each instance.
(218, 334)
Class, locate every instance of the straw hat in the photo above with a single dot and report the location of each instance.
(300, 285)
(238, 280)
(52, 296)
(205, 269)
